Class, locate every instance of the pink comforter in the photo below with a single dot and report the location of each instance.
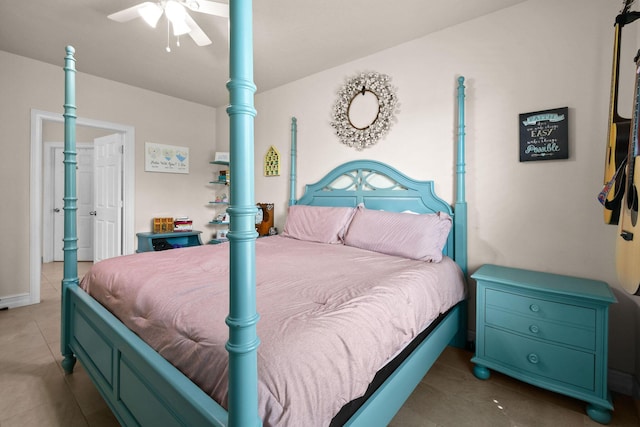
(331, 316)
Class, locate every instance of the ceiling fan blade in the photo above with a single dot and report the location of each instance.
(196, 32)
(208, 7)
(129, 13)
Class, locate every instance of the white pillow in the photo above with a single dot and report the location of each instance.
(420, 237)
(317, 223)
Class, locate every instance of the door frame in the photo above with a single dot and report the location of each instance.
(38, 117)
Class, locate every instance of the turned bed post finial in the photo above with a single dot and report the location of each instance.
(243, 341)
(292, 168)
(460, 217)
(70, 245)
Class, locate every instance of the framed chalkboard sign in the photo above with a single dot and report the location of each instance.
(544, 135)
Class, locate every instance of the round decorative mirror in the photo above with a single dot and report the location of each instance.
(364, 110)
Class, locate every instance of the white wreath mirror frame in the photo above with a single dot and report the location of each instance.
(360, 122)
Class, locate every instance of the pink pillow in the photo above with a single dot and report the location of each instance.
(317, 223)
(420, 237)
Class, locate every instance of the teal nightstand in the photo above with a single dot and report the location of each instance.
(547, 330)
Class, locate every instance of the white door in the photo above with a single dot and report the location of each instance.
(108, 196)
(84, 192)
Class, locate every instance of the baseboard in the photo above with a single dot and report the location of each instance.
(623, 383)
(15, 301)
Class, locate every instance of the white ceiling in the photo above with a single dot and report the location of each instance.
(292, 39)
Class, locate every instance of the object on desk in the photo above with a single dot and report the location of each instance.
(162, 225)
(182, 224)
(161, 245)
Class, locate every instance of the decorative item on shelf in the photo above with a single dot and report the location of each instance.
(182, 223)
(221, 156)
(221, 177)
(364, 110)
(272, 162)
(264, 219)
(162, 225)
(221, 235)
(221, 199)
(223, 218)
(224, 176)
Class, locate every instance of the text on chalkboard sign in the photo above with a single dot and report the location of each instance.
(544, 135)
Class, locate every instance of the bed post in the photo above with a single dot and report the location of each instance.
(292, 168)
(243, 340)
(70, 247)
(460, 219)
(460, 210)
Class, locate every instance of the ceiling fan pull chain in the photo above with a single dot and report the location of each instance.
(168, 35)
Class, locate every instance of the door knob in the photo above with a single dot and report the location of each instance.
(93, 213)
(56, 210)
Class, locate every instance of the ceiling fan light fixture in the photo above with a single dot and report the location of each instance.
(177, 16)
(151, 13)
(174, 10)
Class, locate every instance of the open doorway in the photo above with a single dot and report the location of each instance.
(39, 120)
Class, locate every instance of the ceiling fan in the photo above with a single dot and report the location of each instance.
(177, 16)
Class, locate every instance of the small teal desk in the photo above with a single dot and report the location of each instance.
(547, 330)
(178, 238)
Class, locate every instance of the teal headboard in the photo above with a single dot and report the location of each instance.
(377, 186)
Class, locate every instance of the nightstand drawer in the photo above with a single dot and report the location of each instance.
(541, 309)
(547, 330)
(538, 359)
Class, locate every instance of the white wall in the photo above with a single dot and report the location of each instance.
(537, 55)
(28, 84)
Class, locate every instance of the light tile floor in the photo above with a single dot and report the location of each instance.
(35, 392)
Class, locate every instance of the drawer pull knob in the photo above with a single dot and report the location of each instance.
(534, 329)
(534, 307)
(533, 358)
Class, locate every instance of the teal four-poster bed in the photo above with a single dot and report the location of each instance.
(143, 388)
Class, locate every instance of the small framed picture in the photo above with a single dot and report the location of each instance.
(222, 234)
(544, 135)
(221, 156)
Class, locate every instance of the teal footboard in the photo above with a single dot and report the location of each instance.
(143, 389)
(140, 387)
